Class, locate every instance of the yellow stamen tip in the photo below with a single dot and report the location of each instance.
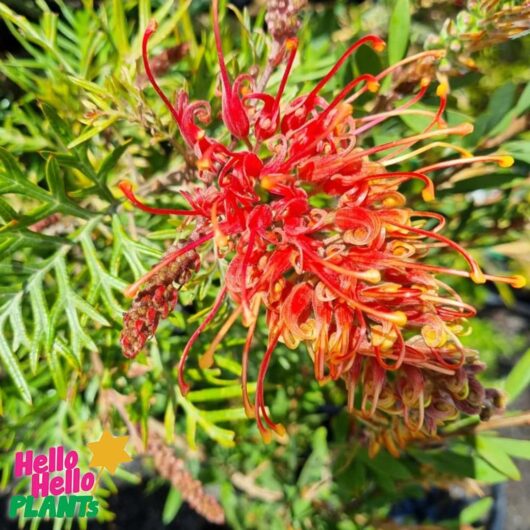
(291, 43)
(506, 161)
(203, 164)
(442, 90)
(268, 182)
(205, 361)
(372, 276)
(427, 194)
(425, 81)
(249, 411)
(266, 436)
(518, 281)
(379, 46)
(280, 430)
(398, 318)
(373, 86)
(478, 277)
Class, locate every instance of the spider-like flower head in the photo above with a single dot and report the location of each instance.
(319, 236)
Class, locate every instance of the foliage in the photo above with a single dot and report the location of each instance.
(77, 118)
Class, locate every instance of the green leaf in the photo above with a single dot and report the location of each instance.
(144, 14)
(514, 447)
(41, 322)
(318, 462)
(495, 454)
(171, 506)
(219, 393)
(101, 281)
(484, 182)
(398, 31)
(92, 131)
(6, 212)
(453, 462)
(225, 415)
(519, 149)
(386, 464)
(13, 369)
(111, 160)
(519, 378)
(56, 371)
(523, 103)
(59, 126)
(196, 417)
(119, 27)
(497, 116)
(477, 510)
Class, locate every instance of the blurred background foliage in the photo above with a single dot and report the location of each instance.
(76, 117)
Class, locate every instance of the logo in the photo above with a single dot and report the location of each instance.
(58, 487)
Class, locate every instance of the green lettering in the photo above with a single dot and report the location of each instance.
(47, 508)
(83, 503)
(93, 508)
(66, 506)
(29, 511)
(16, 502)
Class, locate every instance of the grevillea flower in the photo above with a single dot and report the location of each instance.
(319, 237)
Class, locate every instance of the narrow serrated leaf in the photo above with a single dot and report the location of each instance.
(13, 369)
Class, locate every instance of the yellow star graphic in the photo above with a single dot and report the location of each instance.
(109, 451)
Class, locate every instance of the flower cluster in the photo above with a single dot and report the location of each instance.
(319, 236)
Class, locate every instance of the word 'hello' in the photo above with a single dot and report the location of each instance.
(41, 467)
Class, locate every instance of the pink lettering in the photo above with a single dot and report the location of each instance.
(57, 486)
(87, 481)
(71, 460)
(40, 464)
(40, 485)
(23, 463)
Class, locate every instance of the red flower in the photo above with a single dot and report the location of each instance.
(345, 278)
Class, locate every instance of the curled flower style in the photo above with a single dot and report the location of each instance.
(319, 237)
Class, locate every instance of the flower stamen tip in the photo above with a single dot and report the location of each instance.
(206, 361)
(203, 164)
(280, 430)
(478, 277)
(428, 195)
(399, 318)
(266, 436)
(518, 281)
(291, 43)
(506, 161)
(373, 86)
(442, 90)
(379, 45)
(125, 186)
(372, 276)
